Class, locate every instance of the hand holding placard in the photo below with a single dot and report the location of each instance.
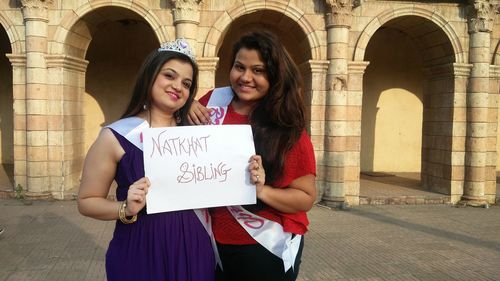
(198, 167)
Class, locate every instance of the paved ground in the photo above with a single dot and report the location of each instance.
(50, 240)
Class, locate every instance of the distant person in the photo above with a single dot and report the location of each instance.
(264, 242)
(170, 246)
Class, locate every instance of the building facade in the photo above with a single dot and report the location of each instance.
(393, 86)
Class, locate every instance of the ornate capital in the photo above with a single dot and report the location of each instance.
(480, 15)
(186, 10)
(341, 12)
(39, 4)
(36, 9)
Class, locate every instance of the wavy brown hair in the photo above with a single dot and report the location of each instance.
(141, 94)
(278, 119)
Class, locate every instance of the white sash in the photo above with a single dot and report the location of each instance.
(131, 129)
(218, 102)
(266, 232)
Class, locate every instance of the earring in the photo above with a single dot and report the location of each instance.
(145, 107)
(177, 117)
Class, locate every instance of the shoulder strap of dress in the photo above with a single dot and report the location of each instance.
(131, 129)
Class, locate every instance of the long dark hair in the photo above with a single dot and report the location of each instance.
(278, 119)
(141, 95)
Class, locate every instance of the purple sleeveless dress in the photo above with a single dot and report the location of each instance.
(171, 246)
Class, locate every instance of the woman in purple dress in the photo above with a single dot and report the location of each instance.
(164, 246)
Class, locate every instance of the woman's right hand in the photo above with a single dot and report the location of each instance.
(198, 114)
(136, 197)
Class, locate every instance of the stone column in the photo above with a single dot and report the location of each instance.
(338, 171)
(206, 77)
(490, 191)
(461, 74)
(19, 99)
(353, 138)
(186, 20)
(317, 87)
(480, 24)
(66, 87)
(35, 14)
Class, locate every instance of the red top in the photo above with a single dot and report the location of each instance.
(299, 162)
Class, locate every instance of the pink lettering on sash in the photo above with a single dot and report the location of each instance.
(248, 219)
(217, 114)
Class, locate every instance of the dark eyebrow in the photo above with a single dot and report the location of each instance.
(252, 66)
(168, 68)
(173, 70)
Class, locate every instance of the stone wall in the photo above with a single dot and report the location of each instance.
(59, 103)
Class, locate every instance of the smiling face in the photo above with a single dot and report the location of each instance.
(248, 77)
(170, 90)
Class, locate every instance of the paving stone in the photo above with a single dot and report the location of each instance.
(50, 241)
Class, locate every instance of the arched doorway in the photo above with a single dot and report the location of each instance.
(6, 115)
(289, 33)
(408, 112)
(120, 42)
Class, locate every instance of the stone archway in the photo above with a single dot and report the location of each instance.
(115, 55)
(392, 88)
(215, 35)
(13, 61)
(96, 58)
(310, 55)
(453, 39)
(6, 115)
(288, 32)
(428, 76)
(262, 20)
(296, 33)
(12, 35)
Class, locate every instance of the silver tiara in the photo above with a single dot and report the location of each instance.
(180, 45)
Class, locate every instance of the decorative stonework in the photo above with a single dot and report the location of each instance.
(341, 12)
(338, 83)
(36, 9)
(37, 4)
(186, 10)
(49, 81)
(318, 66)
(66, 62)
(480, 14)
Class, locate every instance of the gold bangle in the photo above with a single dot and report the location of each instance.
(123, 217)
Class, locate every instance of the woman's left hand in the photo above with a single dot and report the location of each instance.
(257, 172)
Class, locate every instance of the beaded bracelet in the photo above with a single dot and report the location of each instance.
(123, 217)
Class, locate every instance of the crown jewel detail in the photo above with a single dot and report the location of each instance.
(180, 45)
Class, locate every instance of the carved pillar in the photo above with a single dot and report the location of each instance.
(491, 163)
(490, 191)
(35, 14)
(317, 87)
(338, 171)
(65, 122)
(353, 139)
(18, 63)
(480, 23)
(186, 20)
(206, 80)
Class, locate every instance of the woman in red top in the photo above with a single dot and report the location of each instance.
(266, 93)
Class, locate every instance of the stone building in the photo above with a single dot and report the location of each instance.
(394, 86)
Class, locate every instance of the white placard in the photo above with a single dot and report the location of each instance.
(193, 167)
